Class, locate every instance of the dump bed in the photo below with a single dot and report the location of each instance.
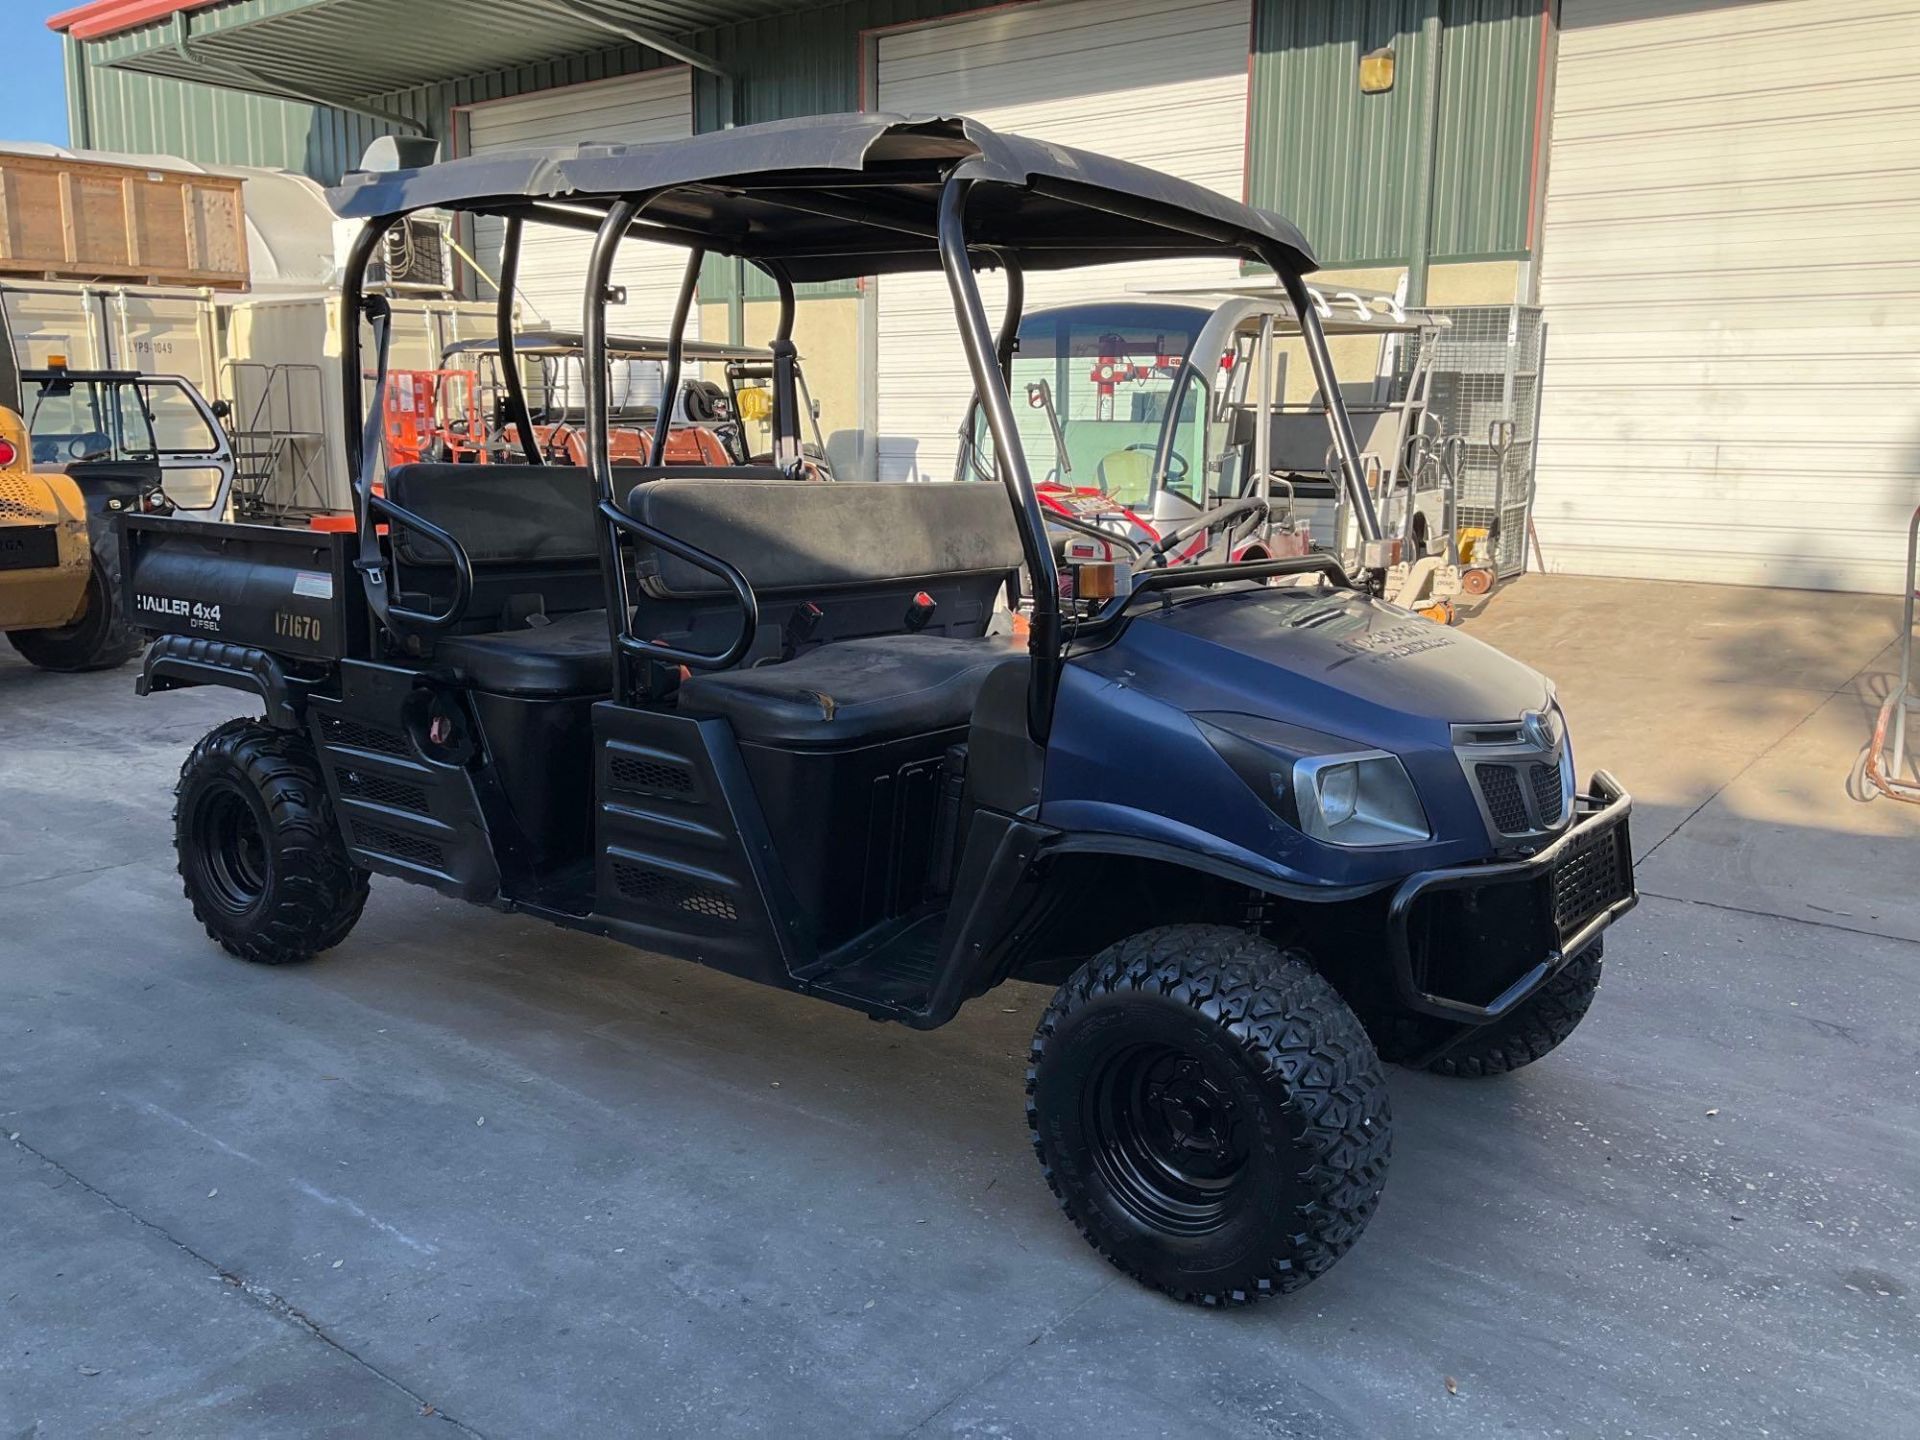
(290, 592)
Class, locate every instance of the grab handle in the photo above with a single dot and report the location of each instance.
(742, 593)
(383, 574)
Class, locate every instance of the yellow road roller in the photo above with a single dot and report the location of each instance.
(59, 559)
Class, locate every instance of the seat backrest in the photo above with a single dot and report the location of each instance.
(529, 530)
(856, 551)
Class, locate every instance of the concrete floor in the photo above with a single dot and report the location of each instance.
(469, 1171)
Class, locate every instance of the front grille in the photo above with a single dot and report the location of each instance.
(397, 794)
(1501, 789)
(399, 845)
(1589, 880)
(338, 730)
(1520, 771)
(1548, 798)
(670, 892)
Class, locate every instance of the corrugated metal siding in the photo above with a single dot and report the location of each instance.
(634, 109)
(1341, 165)
(1731, 271)
(1346, 166)
(1158, 82)
(1489, 98)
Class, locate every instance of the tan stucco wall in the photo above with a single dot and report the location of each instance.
(826, 332)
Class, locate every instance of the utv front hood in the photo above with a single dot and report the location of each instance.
(1369, 654)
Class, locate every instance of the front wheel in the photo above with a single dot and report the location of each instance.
(261, 855)
(1209, 1113)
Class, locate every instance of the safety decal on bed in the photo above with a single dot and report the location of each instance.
(313, 584)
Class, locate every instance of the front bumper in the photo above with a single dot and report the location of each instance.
(1472, 942)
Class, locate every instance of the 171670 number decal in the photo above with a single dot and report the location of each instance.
(290, 626)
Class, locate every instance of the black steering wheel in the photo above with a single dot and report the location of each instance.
(94, 445)
(1177, 464)
(1239, 518)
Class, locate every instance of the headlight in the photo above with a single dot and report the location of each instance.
(1341, 796)
(1360, 798)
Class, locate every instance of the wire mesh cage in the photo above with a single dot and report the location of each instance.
(1486, 370)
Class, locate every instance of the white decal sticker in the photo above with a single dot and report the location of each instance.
(313, 584)
(198, 616)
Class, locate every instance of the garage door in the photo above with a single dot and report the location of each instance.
(1731, 275)
(1157, 83)
(657, 105)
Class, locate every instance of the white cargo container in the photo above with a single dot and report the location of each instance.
(282, 376)
(159, 331)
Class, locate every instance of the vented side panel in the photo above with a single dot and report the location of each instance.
(399, 814)
(680, 850)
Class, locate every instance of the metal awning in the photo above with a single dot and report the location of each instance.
(346, 53)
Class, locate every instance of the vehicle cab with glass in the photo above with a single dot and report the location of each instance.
(156, 425)
(1195, 427)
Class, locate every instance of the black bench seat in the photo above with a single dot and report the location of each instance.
(853, 692)
(569, 656)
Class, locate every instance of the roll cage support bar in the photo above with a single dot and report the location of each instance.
(516, 396)
(989, 360)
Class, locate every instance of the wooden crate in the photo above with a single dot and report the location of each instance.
(85, 220)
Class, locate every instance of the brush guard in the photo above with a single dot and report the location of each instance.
(1473, 942)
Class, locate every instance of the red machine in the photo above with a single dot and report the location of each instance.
(425, 408)
(1114, 368)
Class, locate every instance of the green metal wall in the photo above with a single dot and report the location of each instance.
(1341, 165)
(1348, 167)
(109, 109)
(1484, 150)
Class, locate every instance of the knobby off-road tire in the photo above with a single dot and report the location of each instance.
(1209, 1113)
(1549, 1017)
(261, 855)
(1515, 1040)
(99, 640)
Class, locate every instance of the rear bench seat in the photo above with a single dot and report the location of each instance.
(536, 623)
(848, 558)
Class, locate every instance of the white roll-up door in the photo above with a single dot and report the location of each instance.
(633, 109)
(1731, 273)
(1162, 84)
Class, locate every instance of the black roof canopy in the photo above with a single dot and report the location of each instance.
(830, 197)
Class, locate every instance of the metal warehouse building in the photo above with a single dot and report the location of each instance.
(1712, 203)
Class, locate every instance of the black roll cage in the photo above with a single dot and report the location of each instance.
(989, 359)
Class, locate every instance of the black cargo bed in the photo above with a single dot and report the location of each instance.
(290, 592)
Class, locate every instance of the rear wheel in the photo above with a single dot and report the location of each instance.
(1209, 1113)
(260, 853)
(98, 640)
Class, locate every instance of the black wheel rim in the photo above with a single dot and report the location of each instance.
(1169, 1138)
(230, 851)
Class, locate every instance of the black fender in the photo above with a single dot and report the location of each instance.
(178, 662)
(1002, 897)
(1219, 867)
